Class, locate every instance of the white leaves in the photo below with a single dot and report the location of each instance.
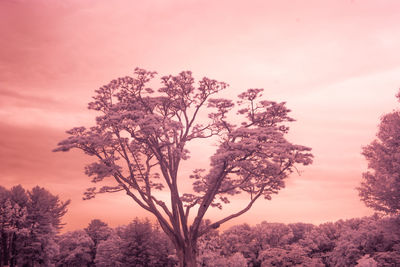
(259, 157)
(12, 217)
(75, 249)
(142, 131)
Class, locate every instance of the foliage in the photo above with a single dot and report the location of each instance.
(299, 231)
(109, 253)
(98, 231)
(75, 249)
(141, 136)
(142, 244)
(369, 241)
(380, 188)
(239, 239)
(291, 255)
(29, 222)
(366, 261)
(209, 248)
(236, 260)
(379, 238)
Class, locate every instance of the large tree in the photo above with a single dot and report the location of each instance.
(141, 137)
(380, 188)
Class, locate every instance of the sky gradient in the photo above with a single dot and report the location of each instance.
(335, 63)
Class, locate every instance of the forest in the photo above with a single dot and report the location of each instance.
(30, 224)
(253, 158)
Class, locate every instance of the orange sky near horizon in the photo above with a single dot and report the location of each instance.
(335, 63)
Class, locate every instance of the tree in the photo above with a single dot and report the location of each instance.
(98, 231)
(209, 248)
(44, 206)
(238, 238)
(299, 231)
(321, 241)
(43, 221)
(29, 221)
(291, 255)
(374, 236)
(380, 188)
(12, 226)
(75, 249)
(108, 252)
(142, 244)
(141, 136)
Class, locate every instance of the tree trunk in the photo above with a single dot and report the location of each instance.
(187, 256)
(6, 249)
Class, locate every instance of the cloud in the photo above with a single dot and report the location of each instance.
(9, 97)
(26, 157)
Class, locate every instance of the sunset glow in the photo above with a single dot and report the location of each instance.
(335, 63)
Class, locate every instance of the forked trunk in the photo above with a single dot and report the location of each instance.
(187, 256)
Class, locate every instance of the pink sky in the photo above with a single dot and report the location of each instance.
(336, 63)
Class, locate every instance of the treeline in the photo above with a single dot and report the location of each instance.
(30, 222)
(139, 243)
(369, 241)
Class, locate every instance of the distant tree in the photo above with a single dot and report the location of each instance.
(29, 222)
(141, 136)
(299, 231)
(109, 252)
(238, 238)
(380, 188)
(46, 207)
(252, 241)
(272, 234)
(12, 227)
(266, 236)
(44, 213)
(75, 249)
(373, 236)
(144, 245)
(321, 241)
(209, 248)
(18, 195)
(19, 201)
(98, 231)
(291, 255)
(38, 248)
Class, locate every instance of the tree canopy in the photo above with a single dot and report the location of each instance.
(380, 188)
(140, 139)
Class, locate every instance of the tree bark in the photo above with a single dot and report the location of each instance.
(187, 256)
